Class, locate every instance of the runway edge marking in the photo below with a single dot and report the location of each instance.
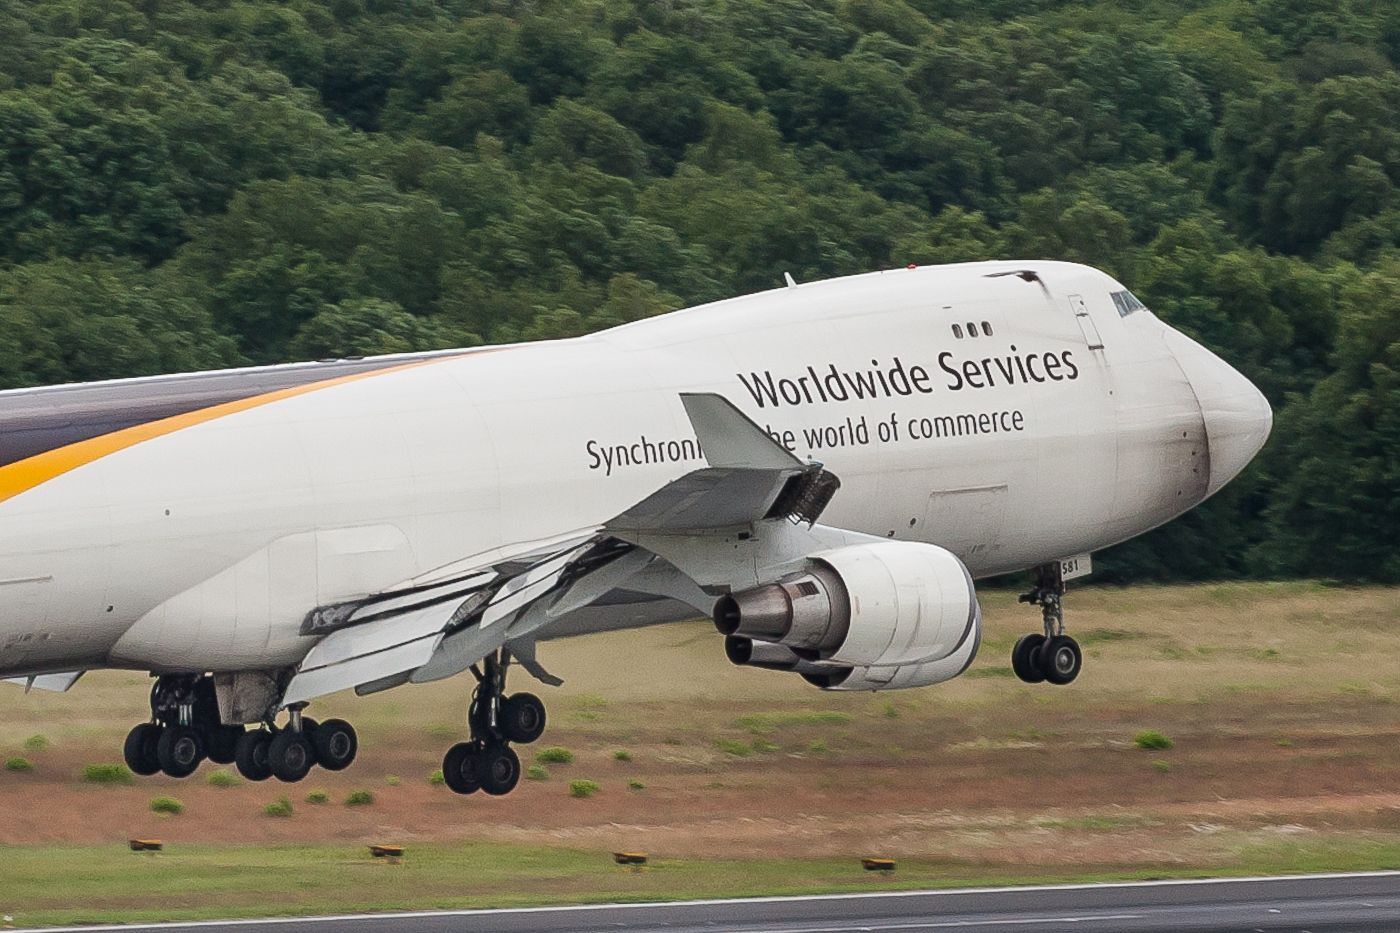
(712, 902)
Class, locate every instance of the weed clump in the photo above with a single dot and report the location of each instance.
(1151, 739)
(818, 747)
(107, 774)
(167, 805)
(1161, 767)
(281, 807)
(635, 784)
(19, 765)
(436, 779)
(222, 778)
(733, 747)
(554, 755)
(537, 773)
(763, 745)
(622, 754)
(583, 788)
(393, 780)
(36, 743)
(318, 797)
(359, 798)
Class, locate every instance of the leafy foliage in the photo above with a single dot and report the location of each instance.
(190, 186)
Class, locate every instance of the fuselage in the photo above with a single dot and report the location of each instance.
(191, 522)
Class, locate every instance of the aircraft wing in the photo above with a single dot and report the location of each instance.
(58, 683)
(439, 628)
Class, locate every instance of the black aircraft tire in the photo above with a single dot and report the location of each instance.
(1025, 658)
(459, 768)
(221, 743)
(291, 756)
(140, 749)
(180, 750)
(335, 743)
(498, 769)
(250, 755)
(522, 718)
(1060, 660)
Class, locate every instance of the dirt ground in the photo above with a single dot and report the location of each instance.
(1279, 701)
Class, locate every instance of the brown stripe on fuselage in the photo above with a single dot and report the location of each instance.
(45, 432)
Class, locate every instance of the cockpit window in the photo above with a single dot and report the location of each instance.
(1126, 303)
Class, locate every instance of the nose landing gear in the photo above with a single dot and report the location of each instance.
(486, 762)
(1051, 655)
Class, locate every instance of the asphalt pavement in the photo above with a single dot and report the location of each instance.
(1301, 904)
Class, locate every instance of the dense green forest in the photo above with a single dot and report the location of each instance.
(186, 185)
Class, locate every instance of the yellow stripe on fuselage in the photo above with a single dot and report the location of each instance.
(25, 474)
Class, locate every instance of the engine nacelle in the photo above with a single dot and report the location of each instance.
(887, 614)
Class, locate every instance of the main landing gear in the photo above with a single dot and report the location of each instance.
(486, 762)
(1052, 655)
(185, 729)
(290, 753)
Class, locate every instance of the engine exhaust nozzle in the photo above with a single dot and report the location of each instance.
(805, 611)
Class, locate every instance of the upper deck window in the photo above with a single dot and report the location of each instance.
(1126, 303)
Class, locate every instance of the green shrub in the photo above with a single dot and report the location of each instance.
(1162, 767)
(537, 773)
(436, 779)
(622, 755)
(280, 807)
(733, 747)
(318, 796)
(554, 755)
(107, 774)
(635, 784)
(1152, 739)
(583, 788)
(222, 778)
(18, 765)
(167, 805)
(36, 743)
(359, 798)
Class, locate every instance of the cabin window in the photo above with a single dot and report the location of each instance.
(971, 329)
(986, 328)
(957, 331)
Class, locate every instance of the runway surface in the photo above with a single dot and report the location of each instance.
(1315, 903)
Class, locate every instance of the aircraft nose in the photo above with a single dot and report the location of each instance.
(1237, 416)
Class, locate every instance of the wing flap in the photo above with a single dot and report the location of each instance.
(363, 669)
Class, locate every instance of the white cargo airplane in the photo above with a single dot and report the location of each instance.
(258, 538)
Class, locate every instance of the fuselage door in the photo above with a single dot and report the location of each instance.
(1086, 323)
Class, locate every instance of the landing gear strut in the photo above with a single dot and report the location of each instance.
(185, 729)
(1051, 655)
(486, 762)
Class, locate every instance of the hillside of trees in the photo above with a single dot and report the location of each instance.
(186, 185)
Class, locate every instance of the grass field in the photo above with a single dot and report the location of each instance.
(1278, 701)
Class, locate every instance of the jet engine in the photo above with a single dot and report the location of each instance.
(873, 616)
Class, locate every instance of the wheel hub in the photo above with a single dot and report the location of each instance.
(340, 745)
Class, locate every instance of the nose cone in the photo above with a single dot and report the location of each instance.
(1237, 416)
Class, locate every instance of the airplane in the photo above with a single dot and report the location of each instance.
(824, 469)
